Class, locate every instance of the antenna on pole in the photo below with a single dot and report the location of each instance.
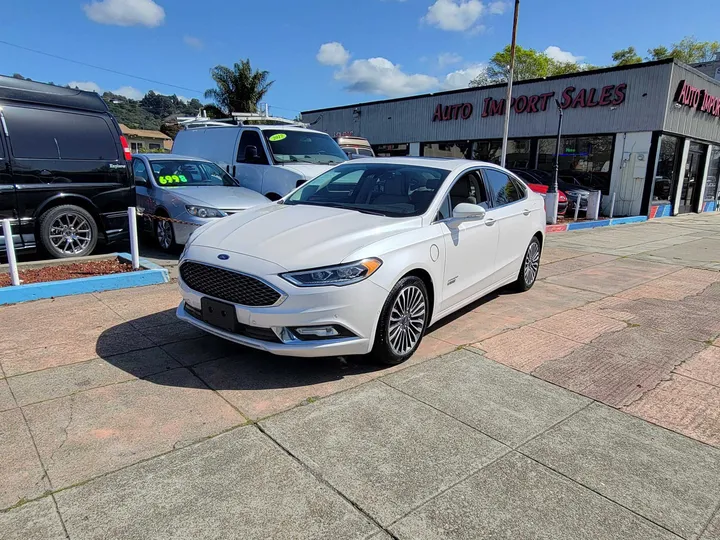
(508, 98)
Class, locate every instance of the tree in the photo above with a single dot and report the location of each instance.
(529, 64)
(658, 53)
(482, 79)
(692, 51)
(238, 89)
(625, 57)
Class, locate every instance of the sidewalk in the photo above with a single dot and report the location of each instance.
(525, 416)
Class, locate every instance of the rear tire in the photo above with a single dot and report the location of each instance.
(68, 231)
(403, 321)
(530, 267)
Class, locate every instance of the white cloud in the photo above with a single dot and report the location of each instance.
(129, 92)
(85, 85)
(125, 12)
(194, 42)
(462, 77)
(454, 15)
(557, 54)
(333, 54)
(497, 8)
(446, 59)
(381, 76)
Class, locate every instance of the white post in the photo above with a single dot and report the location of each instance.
(577, 207)
(612, 205)
(10, 249)
(132, 228)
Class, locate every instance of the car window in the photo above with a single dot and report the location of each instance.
(388, 189)
(469, 188)
(178, 173)
(365, 152)
(47, 134)
(445, 210)
(303, 147)
(251, 137)
(504, 190)
(140, 170)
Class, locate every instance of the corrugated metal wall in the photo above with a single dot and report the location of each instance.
(686, 120)
(411, 120)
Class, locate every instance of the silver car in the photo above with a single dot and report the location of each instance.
(189, 191)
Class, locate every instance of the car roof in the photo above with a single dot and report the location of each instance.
(23, 90)
(158, 157)
(449, 164)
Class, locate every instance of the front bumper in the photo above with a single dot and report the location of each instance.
(355, 308)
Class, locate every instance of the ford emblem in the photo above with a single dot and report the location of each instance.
(223, 257)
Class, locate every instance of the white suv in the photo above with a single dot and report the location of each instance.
(270, 159)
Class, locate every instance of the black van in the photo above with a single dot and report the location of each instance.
(65, 175)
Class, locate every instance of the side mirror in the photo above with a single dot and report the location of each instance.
(468, 211)
(251, 154)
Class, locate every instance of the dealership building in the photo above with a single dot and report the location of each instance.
(648, 133)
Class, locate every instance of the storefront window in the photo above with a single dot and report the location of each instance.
(518, 152)
(457, 149)
(489, 151)
(667, 167)
(584, 159)
(712, 179)
(388, 150)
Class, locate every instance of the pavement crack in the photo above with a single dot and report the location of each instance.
(66, 428)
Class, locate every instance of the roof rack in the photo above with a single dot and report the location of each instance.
(238, 119)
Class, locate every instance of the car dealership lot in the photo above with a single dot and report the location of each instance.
(524, 415)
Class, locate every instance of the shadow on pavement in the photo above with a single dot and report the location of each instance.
(148, 346)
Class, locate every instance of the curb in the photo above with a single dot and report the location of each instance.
(579, 225)
(152, 274)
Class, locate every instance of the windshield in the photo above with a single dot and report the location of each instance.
(304, 147)
(387, 189)
(184, 172)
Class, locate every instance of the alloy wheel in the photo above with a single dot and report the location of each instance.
(164, 234)
(532, 263)
(70, 233)
(407, 320)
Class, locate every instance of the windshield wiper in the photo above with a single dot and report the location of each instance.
(340, 206)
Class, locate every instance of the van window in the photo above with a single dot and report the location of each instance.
(46, 134)
(251, 138)
(303, 147)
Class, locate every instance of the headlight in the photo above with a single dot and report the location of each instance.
(344, 274)
(204, 211)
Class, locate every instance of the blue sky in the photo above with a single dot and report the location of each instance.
(323, 53)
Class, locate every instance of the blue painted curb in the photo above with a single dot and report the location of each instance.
(576, 225)
(152, 275)
(631, 219)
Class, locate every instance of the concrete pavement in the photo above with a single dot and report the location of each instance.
(588, 407)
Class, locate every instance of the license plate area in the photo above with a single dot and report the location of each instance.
(219, 314)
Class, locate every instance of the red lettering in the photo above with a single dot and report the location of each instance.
(467, 110)
(567, 97)
(438, 113)
(591, 96)
(496, 107)
(579, 100)
(605, 94)
(486, 103)
(521, 104)
(544, 100)
(447, 113)
(681, 96)
(619, 94)
(532, 104)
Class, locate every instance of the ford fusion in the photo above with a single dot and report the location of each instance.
(363, 258)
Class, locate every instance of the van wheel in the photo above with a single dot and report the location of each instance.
(68, 231)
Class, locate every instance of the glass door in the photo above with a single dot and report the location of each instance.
(694, 168)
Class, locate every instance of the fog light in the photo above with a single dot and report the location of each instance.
(317, 331)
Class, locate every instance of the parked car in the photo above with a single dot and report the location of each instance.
(542, 189)
(189, 190)
(568, 184)
(65, 178)
(357, 261)
(355, 147)
(270, 159)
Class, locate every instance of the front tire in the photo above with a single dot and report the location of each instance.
(530, 267)
(68, 231)
(402, 323)
(165, 235)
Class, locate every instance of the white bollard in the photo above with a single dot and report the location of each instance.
(612, 205)
(132, 227)
(577, 207)
(10, 250)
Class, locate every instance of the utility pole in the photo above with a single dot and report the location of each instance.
(508, 98)
(551, 197)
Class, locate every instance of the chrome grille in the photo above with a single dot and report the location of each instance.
(228, 285)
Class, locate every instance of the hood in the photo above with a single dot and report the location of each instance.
(221, 197)
(298, 237)
(308, 171)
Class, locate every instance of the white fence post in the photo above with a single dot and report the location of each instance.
(132, 227)
(10, 250)
(612, 205)
(577, 207)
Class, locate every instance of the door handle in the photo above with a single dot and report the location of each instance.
(45, 172)
(489, 222)
(526, 212)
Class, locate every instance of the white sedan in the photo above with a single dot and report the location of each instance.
(363, 258)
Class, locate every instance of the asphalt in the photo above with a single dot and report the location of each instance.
(588, 407)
